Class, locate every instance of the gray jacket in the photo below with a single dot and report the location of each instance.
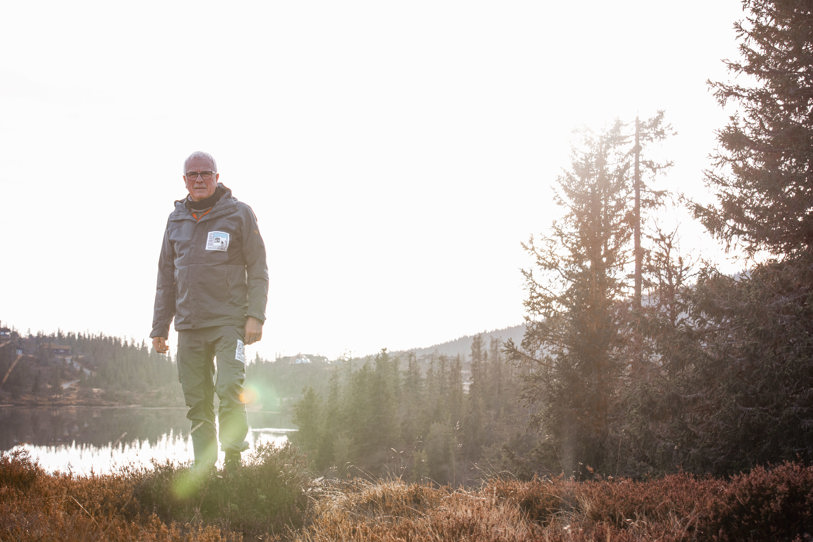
(212, 271)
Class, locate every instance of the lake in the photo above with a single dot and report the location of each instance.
(101, 440)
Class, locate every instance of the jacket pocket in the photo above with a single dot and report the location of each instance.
(237, 289)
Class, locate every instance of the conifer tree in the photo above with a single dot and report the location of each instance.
(332, 423)
(412, 404)
(475, 419)
(573, 321)
(361, 415)
(307, 417)
(455, 391)
(384, 400)
(763, 175)
(753, 376)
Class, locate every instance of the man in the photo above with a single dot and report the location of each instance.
(213, 280)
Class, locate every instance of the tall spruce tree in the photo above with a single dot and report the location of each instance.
(474, 425)
(573, 320)
(763, 179)
(751, 398)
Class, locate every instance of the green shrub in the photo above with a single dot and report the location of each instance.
(266, 495)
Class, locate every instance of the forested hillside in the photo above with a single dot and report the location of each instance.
(462, 345)
(75, 368)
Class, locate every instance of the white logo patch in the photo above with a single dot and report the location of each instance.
(240, 352)
(217, 240)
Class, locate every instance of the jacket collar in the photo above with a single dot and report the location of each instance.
(225, 201)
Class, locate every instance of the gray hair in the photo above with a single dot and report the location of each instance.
(200, 154)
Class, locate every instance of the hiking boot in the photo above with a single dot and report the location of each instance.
(232, 462)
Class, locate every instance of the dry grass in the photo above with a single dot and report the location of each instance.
(273, 500)
(774, 504)
(499, 511)
(36, 506)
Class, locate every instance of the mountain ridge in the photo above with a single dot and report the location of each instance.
(462, 345)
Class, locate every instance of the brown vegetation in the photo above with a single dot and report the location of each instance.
(272, 499)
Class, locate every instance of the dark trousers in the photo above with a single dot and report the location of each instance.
(212, 360)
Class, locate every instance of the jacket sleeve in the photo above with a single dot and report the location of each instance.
(164, 309)
(256, 267)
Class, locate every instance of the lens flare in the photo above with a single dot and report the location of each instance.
(249, 395)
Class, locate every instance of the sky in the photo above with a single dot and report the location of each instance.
(396, 154)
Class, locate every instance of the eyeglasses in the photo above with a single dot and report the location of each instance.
(193, 175)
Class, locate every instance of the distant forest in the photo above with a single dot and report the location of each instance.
(81, 368)
(634, 359)
(76, 368)
(73, 368)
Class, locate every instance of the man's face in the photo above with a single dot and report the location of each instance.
(198, 186)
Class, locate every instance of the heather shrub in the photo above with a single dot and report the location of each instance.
(17, 471)
(266, 495)
(623, 502)
(765, 504)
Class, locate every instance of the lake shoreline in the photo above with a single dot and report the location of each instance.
(39, 402)
(76, 400)
(93, 397)
(80, 438)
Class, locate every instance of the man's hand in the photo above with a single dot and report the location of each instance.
(160, 345)
(254, 330)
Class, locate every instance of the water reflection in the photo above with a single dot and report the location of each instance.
(85, 440)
